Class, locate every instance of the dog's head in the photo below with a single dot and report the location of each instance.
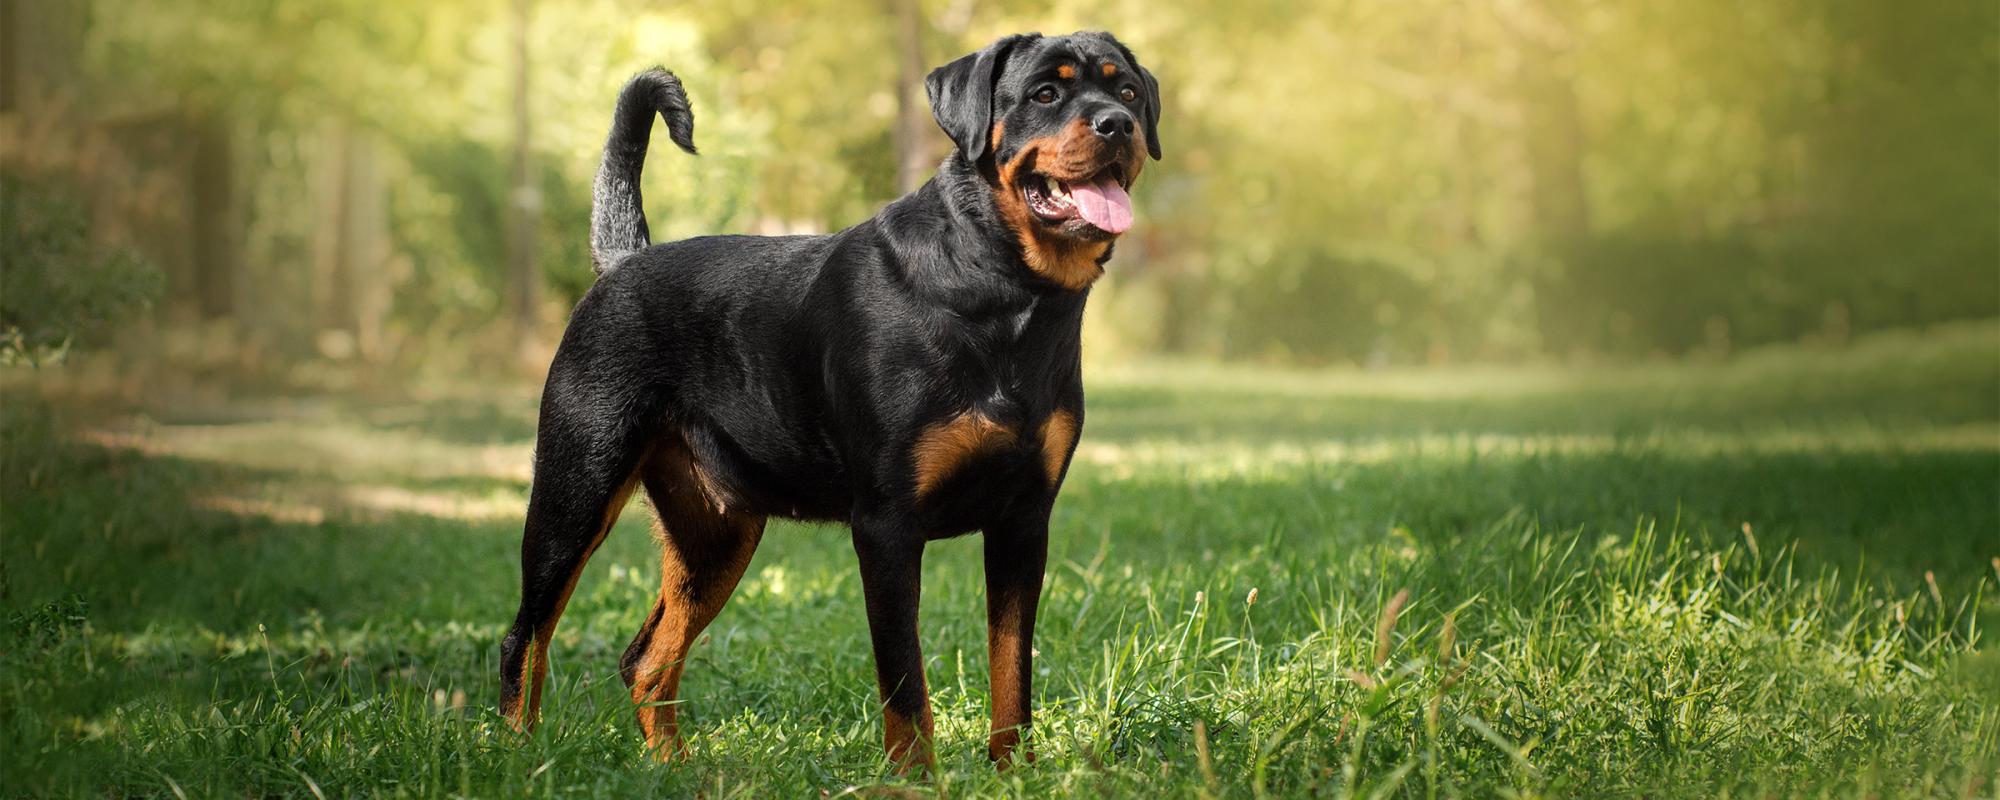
(1060, 126)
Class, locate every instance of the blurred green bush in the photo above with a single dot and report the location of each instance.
(1418, 183)
(56, 292)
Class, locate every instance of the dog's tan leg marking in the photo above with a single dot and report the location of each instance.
(1005, 653)
(907, 739)
(535, 664)
(704, 550)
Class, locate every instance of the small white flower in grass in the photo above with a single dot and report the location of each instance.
(1199, 596)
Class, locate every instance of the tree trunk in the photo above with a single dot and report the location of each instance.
(41, 41)
(524, 200)
(351, 249)
(1555, 149)
(13, 72)
(1552, 146)
(913, 156)
(214, 223)
(1551, 120)
(367, 249)
(331, 301)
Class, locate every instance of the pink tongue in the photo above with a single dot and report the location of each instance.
(1103, 204)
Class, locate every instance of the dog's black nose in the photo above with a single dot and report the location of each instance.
(1115, 125)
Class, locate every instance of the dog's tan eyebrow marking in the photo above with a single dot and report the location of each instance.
(1066, 72)
(1109, 69)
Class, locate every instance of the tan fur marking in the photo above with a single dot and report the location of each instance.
(704, 550)
(1066, 72)
(908, 741)
(535, 663)
(1110, 69)
(1010, 707)
(1058, 433)
(946, 446)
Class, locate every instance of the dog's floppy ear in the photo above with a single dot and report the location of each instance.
(1151, 89)
(962, 96)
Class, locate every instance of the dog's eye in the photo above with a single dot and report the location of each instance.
(1046, 96)
(1128, 94)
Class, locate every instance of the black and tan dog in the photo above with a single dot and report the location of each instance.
(915, 376)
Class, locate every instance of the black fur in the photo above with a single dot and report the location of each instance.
(961, 95)
(617, 215)
(801, 371)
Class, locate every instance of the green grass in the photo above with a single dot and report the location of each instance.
(304, 596)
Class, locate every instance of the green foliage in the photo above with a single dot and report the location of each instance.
(56, 291)
(1344, 182)
(1808, 154)
(309, 600)
(1637, 294)
(1363, 307)
(50, 624)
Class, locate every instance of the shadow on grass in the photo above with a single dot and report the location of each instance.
(133, 533)
(1896, 515)
(503, 414)
(159, 539)
(1120, 414)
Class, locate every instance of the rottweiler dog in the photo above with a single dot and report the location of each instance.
(915, 376)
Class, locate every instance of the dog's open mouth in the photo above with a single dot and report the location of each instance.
(1099, 201)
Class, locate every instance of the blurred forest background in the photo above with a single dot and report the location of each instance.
(249, 186)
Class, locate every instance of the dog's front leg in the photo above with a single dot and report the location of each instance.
(891, 550)
(1016, 554)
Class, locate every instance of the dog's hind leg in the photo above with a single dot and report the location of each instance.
(704, 549)
(583, 476)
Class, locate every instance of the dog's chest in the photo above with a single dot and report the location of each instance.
(969, 468)
(1002, 378)
(1008, 439)
(997, 429)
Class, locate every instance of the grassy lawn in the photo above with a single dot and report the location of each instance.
(1771, 576)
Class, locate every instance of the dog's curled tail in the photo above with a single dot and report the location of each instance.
(617, 214)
